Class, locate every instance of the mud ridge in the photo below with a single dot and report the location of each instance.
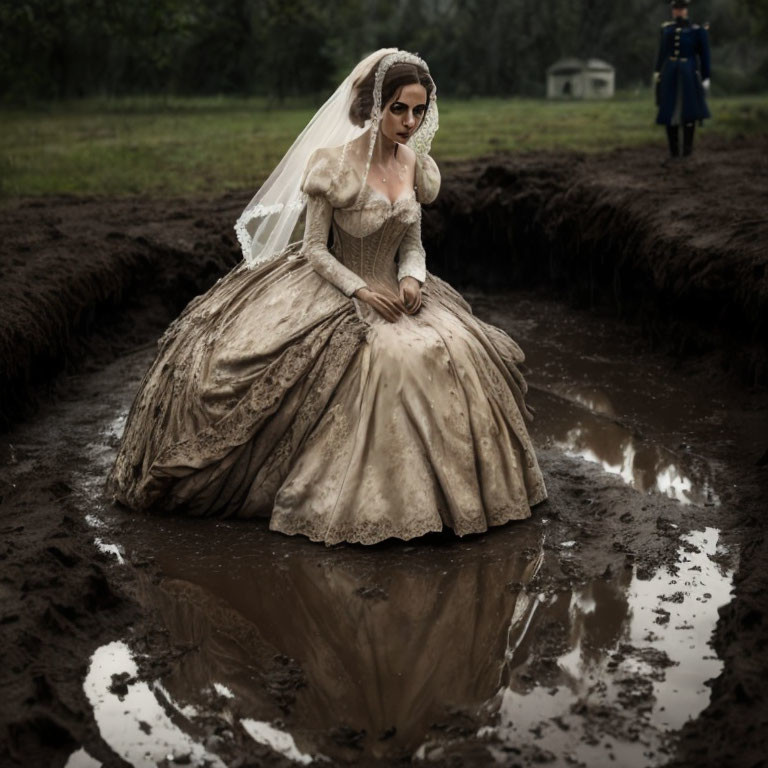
(679, 249)
(87, 279)
(60, 598)
(738, 694)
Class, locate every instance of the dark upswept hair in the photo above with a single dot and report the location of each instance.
(397, 76)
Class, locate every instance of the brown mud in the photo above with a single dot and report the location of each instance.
(579, 636)
(680, 249)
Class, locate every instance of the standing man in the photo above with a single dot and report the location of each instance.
(682, 76)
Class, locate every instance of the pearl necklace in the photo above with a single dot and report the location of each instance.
(400, 172)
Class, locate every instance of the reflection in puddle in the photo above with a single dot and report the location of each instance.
(581, 423)
(638, 658)
(95, 521)
(110, 549)
(281, 742)
(145, 725)
(684, 612)
(137, 720)
(81, 759)
(384, 640)
(348, 653)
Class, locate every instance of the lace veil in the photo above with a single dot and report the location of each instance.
(265, 226)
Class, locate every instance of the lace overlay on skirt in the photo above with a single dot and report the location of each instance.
(274, 394)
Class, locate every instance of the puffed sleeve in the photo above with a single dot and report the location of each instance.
(316, 184)
(318, 173)
(427, 179)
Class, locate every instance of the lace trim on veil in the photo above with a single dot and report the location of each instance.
(267, 223)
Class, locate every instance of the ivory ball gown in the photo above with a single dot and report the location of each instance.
(278, 394)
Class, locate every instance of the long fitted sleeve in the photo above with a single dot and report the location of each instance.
(659, 54)
(315, 247)
(703, 51)
(412, 257)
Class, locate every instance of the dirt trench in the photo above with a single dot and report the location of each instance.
(82, 280)
(88, 285)
(679, 249)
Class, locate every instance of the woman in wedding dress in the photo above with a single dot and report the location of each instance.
(341, 391)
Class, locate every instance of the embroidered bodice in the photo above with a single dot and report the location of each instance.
(375, 242)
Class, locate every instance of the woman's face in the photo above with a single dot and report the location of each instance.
(404, 112)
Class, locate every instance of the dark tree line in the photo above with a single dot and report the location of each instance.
(280, 48)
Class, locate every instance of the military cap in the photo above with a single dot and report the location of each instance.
(680, 3)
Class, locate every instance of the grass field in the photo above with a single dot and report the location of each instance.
(203, 146)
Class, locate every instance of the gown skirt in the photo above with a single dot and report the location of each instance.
(275, 395)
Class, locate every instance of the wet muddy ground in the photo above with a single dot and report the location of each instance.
(622, 624)
(579, 636)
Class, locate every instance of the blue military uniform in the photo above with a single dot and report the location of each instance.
(682, 64)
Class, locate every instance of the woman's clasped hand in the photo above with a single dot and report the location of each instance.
(391, 308)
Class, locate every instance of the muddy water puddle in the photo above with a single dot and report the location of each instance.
(410, 650)
(595, 396)
(635, 656)
(585, 425)
(477, 648)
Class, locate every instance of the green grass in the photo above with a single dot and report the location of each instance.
(204, 146)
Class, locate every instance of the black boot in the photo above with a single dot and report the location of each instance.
(688, 138)
(673, 140)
